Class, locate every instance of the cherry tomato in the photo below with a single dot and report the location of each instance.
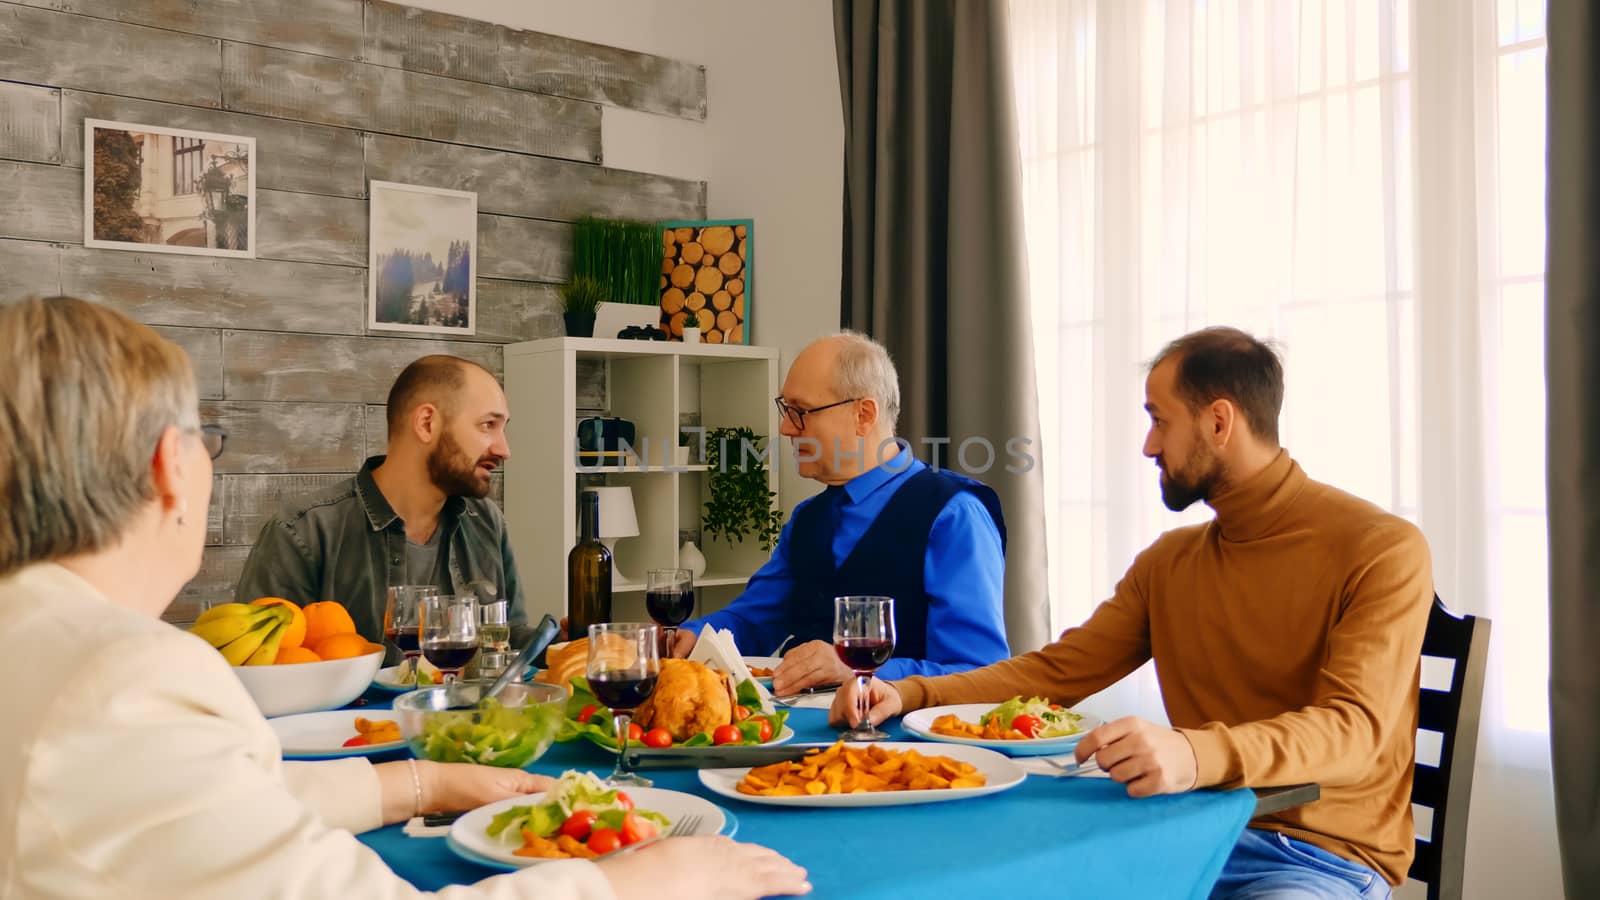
(658, 737)
(727, 734)
(624, 801)
(635, 733)
(1028, 725)
(1055, 706)
(766, 730)
(579, 824)
(604, 840)
(740, 713)
(636, 828)
(588, 713)
(359, 740)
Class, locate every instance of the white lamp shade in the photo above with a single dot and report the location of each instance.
(617, 518)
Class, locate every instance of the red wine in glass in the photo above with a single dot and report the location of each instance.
(669, 607)
(863, 636)
(407, 641)
(623, 691)
(451, 657)
(864, 655)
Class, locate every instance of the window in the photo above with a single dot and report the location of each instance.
(187, 165)
(1270, 165)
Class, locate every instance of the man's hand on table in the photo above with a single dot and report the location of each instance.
(683, 641)
(846, 711)
(1145, 757)
(812, 664)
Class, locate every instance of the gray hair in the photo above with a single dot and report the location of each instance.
(865, 370)
(89, 395)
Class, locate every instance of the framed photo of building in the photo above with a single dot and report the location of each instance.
(423, 246)
(168, 190)
(708, 279)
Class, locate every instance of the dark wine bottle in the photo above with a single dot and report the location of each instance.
(588, 572)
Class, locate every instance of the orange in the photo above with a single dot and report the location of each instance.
(324, 619)
(287, 655)
(295, 635)
(344, 646)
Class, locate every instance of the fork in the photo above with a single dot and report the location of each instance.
(1074, 768)
(684, 826)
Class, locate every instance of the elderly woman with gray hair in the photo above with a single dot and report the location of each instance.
(132, 762)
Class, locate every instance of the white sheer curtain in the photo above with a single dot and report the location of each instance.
(1363, 181)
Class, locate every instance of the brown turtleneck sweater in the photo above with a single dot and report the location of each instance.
(1287, 634)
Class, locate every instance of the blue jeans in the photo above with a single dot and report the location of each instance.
(1265, 864)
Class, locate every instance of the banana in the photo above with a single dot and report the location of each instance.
(240, 648)
(223, 630)
(267, 653)
(226, 610)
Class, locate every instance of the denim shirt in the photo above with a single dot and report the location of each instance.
(347, 544)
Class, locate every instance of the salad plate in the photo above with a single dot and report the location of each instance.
(470, 836)
(999, 773)
(321, 735)
(388, 678)
(920, 723)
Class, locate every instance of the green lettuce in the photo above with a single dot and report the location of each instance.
(491, 735)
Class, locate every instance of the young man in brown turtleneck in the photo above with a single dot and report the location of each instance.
(1287, 633)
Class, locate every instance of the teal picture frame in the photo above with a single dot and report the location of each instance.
(680, 290)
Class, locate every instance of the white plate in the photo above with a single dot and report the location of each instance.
(388, 679)
(321, 735)
(920, 723)
(470, 840)
(1001, 774)
(764, 662)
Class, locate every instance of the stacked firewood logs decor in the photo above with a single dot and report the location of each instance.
(705, 280)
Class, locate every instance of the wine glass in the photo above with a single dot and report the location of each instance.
(449, 632)
(863, 636)
(669, 598)
(402, 625)
(624, 662)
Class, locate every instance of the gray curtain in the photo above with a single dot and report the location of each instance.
(934, 261)
(1572, 373)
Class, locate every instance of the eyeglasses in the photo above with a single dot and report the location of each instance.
(214, 437)
(797, 416)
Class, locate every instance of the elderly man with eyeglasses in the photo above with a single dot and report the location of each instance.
(886, 524)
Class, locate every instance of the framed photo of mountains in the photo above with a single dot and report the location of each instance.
(423, 259)
(707, 279)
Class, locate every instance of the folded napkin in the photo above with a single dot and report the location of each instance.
(716, 649)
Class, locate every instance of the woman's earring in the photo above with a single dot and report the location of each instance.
(183, 508)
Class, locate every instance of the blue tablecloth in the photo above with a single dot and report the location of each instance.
(1060, 837)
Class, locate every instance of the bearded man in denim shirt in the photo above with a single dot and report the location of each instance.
(417, 515)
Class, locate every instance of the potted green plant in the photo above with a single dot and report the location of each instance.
(580, 297)
(741, 502)
(624, 256)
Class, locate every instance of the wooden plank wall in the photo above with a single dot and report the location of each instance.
(336, 93)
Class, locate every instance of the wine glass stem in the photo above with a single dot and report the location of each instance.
(414, 661)
(669, 635)
(863, 702)
(448, 677)
(622, 721)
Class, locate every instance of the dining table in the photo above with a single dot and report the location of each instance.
(1050, 835)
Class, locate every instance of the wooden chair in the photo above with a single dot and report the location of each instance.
(1446, 789)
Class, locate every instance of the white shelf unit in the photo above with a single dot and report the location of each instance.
(652, 384)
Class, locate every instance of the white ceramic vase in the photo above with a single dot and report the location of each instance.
(690, 557)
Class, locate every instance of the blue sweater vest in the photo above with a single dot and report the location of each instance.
(887, 561)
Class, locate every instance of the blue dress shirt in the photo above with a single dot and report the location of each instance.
(964, 572)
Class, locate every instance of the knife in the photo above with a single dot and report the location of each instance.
(716, 757)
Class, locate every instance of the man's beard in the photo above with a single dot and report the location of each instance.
(1198, 480)
(453, 472)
